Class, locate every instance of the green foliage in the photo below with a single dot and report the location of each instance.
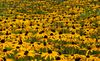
(82, 52)
(22, 11)
(8, 48)
(70, 50)
(95, 52)
(97, 11)
(40, 12)
(33, 39)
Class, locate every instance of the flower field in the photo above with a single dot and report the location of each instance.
(49, 30)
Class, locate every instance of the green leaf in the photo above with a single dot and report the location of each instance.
(82, 23)
(70, 50)
(82, 52)
(42, 50)
(95, 52)
(83, 45)
(20, 59)
(38, 57)
(11, 56)
(8, 48)
(97, 11)
(34, 32)
(65, 30)
(93, 36)
(22, 11)
(48, 59)
(33, 39)
(82, 32)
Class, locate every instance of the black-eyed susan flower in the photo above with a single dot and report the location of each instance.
(49, 53)
(46, 45)
(20, 54)
(37, 46)
(92, 58)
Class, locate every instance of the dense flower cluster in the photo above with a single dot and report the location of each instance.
(50, 30)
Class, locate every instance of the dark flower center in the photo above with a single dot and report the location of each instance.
(41, 32)
(20, 42)
(31, 42)
(17, 47)
(73, 27)
(26, 33)
(45, 36)
(49, 51)
(3, 41)
(51, 34)
(44, 43)
(26, 52)
(58, 58)
(4, 59)
(87, 56)
(52, 30)
(77, 59)
(4, 50)
(60, 32)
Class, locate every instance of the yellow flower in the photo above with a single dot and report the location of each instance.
(31, 53)
(46, 45)
(20, 54)
(37, 46)
(27, 28)
(92, 58)
(9, 59)
(27, 22)
(61, 58)
(29, 35)
(19, 22)
(51, 54)
(76, 35)
(70, 58)
(96, 6)
(6, 52)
